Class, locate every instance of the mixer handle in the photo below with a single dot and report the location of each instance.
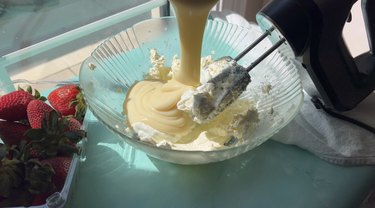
(313, 30)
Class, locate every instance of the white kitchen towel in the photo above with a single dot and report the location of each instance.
(331, 139)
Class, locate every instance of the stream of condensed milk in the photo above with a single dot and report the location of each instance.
(154, 102)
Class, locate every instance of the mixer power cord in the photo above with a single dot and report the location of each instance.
(319, 105)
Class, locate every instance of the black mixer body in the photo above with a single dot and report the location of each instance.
(313, 30)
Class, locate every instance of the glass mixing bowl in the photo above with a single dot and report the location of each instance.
(123, 59)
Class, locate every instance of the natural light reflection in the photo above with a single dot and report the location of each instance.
(135, 158)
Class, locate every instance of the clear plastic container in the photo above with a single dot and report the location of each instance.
(57, 199)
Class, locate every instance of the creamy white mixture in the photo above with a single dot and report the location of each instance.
(235, 123)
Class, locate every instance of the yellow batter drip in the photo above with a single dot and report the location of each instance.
(154, 102)
(191, 17)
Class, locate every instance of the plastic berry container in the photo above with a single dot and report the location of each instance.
(56, 199)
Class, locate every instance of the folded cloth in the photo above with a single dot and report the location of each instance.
(329, 138)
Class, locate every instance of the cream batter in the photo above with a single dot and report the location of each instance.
(154, 102)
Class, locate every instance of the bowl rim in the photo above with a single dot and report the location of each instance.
(124, 137)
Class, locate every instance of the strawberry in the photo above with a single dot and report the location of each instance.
(74, 124)
(12, 133)
(40, 199)
(36, 111)
(13, 105)
(61, 167)
(13, 190)
(53, 138)
(67, 100)
(35, 93)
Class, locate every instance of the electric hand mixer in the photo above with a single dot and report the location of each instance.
(313, 31)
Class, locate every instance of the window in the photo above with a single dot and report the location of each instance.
(27, 22)
(35, 32)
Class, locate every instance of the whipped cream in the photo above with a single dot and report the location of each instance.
(150, 135)
(237, 121)
(158, 70)
(186, 102)
(210, 68)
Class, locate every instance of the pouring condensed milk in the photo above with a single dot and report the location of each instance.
(154, 102)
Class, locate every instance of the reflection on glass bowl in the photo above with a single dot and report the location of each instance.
(123, 59)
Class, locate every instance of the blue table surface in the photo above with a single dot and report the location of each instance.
(272, 175)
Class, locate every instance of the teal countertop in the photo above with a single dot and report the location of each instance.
(272, 175)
